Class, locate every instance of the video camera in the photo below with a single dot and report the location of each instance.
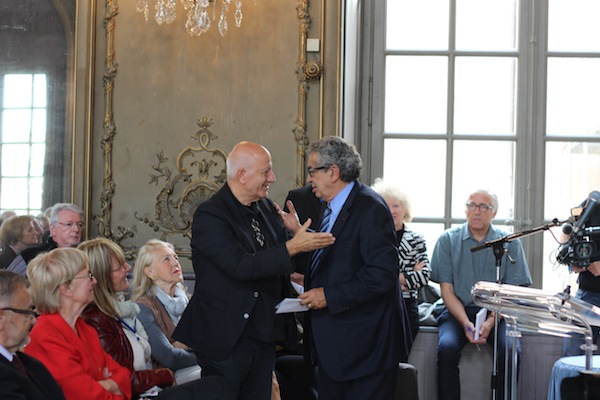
(580, 250)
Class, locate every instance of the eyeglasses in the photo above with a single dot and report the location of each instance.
(311, 171)
(69, 225)
(89, 275)
(31, 312)
(482, 207)
(122, 266)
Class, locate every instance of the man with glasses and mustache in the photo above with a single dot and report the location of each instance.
(66, 229)
(457, 269)
(21, 376)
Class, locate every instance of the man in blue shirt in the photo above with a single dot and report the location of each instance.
(457, 269)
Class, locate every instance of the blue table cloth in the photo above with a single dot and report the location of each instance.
(567, 367)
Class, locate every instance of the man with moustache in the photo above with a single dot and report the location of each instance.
(242, 257)
(354, 328)
(21, 376)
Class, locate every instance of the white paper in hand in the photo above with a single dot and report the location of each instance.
(288, 305)
(479, 320)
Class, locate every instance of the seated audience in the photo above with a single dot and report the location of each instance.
(414, 263)
(158, 289)
(121, 333)
(21, 376)
(457, 269)
(66, 227)
(62, 285)
(16, 234)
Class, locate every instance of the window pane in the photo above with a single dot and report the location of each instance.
(485, 95)
(573, 25)
(416, 94)
(572, 172)
(39, 90)
(38, 153)
(14, 193)
(486, 25)
(16, 126)
(38, 131)
(573, 101)
(412, 24)
(17, 90)
(402, 153)
(483, 165)
(35, 193)
(15, 160)
(430, 231)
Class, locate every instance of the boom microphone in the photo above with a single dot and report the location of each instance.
(590, 204)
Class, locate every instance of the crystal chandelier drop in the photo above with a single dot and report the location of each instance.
(198, 19)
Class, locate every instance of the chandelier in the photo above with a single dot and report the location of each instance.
(198, 18)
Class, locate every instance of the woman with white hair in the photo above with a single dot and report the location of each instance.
(158, 290)
(414, 263)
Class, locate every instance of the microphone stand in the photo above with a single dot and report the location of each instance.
(497, 246)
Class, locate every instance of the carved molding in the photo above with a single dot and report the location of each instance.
(199, 173)
(300, 128)
(110, 129)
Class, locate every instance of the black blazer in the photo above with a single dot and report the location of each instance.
(362, 329)
(307, 205)
(40, 385)
(232, 273)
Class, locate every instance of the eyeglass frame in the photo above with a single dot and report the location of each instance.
(31, 312)
(311, 171)
(483, 207)
(90, 276)
(70, 225)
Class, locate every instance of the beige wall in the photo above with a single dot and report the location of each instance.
(246, 82)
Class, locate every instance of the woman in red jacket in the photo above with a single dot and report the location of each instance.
(62, 286)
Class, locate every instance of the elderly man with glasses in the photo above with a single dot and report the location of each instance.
(21, 376)
(66, 229)
(457, 269)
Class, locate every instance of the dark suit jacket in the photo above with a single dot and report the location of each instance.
(361, 331)
(39, 386)
(232, 273)
(7, 255)
(307, 205)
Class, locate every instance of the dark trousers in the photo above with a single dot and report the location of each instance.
(412, 309)
(380, 386)
(451, 340)
(248, 369)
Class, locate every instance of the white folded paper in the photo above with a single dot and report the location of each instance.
(298, 288)
(479, 320)
(289, 305)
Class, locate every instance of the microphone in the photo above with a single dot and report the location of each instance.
(590, 204)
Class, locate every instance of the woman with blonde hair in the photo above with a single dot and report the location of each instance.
(158, 290)
(115, 319)
(62, 285)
